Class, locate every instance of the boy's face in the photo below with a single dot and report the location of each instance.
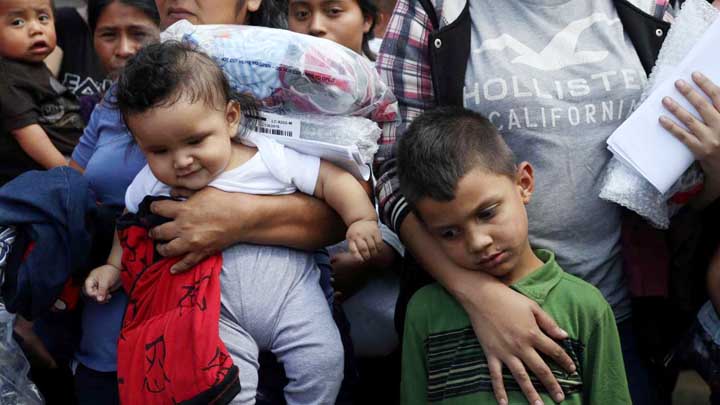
(485, 226)
(27, 32)
(341, 21)
(186, 144)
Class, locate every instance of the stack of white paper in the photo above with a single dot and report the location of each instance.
(641, 143)
(286, 130)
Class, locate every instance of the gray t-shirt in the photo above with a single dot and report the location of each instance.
(557, 77)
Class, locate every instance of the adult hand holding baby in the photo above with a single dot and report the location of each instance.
(211, 220)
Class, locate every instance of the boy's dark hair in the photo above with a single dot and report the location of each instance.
(160, 75)
(442, 145)
(369, 10)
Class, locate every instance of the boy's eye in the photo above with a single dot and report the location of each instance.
(195, 141)
(18, 22)
(449, 234)
(486, 214)
(301, 14)
(158, 151)
(44, 18)
(139, 36)
(335, 11)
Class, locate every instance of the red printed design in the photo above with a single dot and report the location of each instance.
(170, 350)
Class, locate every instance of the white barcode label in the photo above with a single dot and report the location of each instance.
(277, 125)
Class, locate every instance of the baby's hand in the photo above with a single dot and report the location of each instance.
(364, 239)
(101, 281)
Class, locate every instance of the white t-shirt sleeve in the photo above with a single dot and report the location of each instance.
(145, 183)
(288, 165)
(304, 170)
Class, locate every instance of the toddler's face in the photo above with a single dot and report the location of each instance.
(340, 21)
(485, 226)
(27, 30)
(186, 144)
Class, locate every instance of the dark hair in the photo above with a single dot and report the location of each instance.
(369, 10)
(96, 8)
(444, 144)
(270, 14)
(160, 75)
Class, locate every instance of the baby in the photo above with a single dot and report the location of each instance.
(179, 107)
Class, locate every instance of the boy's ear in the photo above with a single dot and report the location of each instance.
(233, 115)
(367, 23)
(253, 5)
(525, 180)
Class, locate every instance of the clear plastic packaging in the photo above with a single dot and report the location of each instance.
(623, 185)
(290, 72)
(342, 131)
(15, 387)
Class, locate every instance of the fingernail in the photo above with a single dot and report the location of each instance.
(559, 397)
(681, 84)
(502, 401)
(698, 75)
(538, 402)
(564, 333)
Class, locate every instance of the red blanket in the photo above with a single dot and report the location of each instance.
(169, 350)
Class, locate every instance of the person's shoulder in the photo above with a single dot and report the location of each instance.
(581, 291)
(430, 301)
(582, 302)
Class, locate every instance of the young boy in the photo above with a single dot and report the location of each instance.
(463, 183)
(40, 119)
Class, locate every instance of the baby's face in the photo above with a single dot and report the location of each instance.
(27, 30)
(187, 145)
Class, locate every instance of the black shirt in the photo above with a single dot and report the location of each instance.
(80, 70)
(29, 94)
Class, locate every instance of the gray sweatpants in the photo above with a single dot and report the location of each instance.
(271, 300)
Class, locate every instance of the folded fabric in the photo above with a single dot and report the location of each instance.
(169, 350)
(50, 211)
(291, 72)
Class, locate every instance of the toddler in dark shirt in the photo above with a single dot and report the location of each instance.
(40, 120)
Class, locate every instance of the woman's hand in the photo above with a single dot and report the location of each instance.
(702, 137)
(513, 330)
(211, 220)
(201, 226)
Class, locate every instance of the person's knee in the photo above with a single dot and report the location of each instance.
(323, 361)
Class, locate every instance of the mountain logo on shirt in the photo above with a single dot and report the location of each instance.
(559, 53)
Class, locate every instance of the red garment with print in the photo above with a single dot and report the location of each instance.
(169, 350)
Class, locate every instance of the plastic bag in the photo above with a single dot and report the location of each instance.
(623, 185)
(15, 387)
(343, 131)
(291, 72)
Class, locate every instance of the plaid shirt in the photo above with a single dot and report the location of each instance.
(404, 64)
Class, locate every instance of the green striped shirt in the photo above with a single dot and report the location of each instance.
(442, 361)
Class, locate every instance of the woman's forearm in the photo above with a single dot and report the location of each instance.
(295, 220)
(461, 283)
